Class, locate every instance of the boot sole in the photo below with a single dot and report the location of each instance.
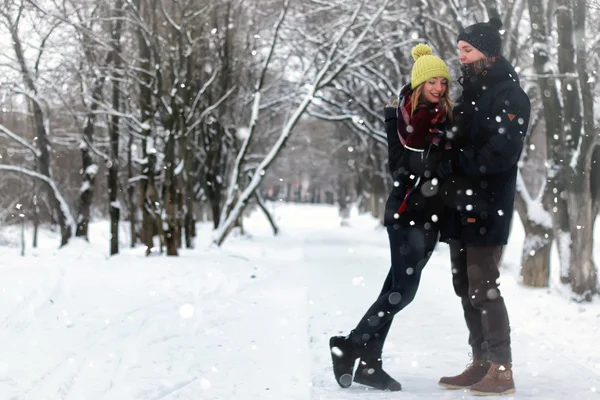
(453, 387)
(397, 387)
(478, 393)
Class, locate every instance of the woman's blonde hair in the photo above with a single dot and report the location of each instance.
(417, 96)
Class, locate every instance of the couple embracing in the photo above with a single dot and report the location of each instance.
(454, 168)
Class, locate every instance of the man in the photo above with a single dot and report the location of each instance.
(478, 185)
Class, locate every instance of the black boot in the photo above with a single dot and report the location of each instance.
(370, 373)
(343, 356)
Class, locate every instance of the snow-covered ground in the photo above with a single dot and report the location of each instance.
(251, 320)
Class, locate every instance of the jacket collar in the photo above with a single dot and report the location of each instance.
(486, 73)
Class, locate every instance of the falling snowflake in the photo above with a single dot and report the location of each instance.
(186, 311)
(204, 383)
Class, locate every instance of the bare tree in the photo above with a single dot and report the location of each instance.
(337, 56)
(12, 14)
(113, 167)
(569, 124)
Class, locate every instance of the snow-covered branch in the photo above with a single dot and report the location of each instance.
(63, 203)
(233, 185)
(200, 94)
(19, 140)
(535, 207)
(378, 136)
(208, 110)
(172, 22)
(113, 113)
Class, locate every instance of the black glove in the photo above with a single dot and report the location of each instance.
(444, 169)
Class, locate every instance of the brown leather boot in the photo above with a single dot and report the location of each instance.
(498, 381)
(474, 373)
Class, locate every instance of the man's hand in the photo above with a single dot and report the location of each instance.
(444, 169)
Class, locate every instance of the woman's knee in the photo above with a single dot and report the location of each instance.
(401, 296)
(409, 296)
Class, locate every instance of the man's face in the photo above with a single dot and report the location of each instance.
(468, 54)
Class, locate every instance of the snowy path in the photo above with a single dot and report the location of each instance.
(428, 339)
(251, 321)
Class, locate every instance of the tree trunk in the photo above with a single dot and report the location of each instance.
(553, 116)
(595, 181)
(190, 229)
(170, 198)
(131, 195)
(42, 124)
(575, 204)
(147, 229)
(571, 128)
(89, 169)
(214, 170)
(148, 195)
(536, 255)
(114, 210)
(189, 219)
(86, 193)
(180, 211)
(113, 168)
(22, 235)
(584, 280)
(36, 221)
(380, 183)
(343, 196)
(537, 222)
(152, 223)
(113, 171)
(215, 208)
(261, 204)
(378, 198)
(239, 223)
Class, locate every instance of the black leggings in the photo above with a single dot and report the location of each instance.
(410, 247)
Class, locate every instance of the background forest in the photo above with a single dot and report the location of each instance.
(159, 114)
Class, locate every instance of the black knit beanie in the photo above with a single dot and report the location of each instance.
(484, 36)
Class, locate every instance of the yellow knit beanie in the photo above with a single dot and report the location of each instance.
(426, 66)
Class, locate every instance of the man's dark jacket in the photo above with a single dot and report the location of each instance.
(492, 118)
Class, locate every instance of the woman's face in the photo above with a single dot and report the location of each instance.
(434, 89)
(468, 54)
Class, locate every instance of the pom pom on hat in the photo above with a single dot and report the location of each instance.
(495, 22)
(421, 50)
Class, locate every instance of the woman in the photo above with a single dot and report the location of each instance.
(410, 217)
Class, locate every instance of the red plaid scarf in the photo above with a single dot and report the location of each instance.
(437, 115)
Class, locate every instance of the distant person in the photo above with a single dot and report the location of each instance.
(479, 184)
(411, 216)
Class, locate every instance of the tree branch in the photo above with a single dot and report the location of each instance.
(19, 140)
